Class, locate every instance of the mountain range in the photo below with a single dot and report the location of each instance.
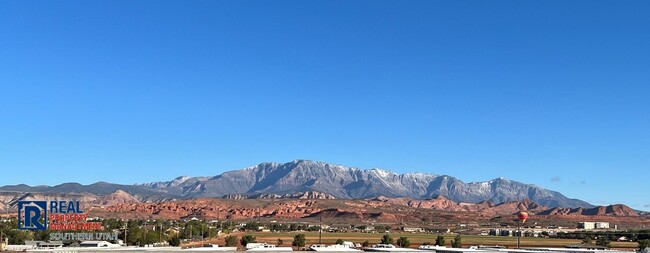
(337, 181)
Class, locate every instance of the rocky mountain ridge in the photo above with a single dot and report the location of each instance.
(611, 210)
(353, 183)
(9, 200)
(273, 180)
(298, 195)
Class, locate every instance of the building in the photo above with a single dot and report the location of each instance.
(507, 232)
(495, 232)
(44, 244)
(173, 231)
(602, 225)
(593, 225)
(368, 229)
(413, 230)
(97, 244)
(438, 230)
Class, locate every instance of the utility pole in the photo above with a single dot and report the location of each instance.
(126, 227)
(2, 232)
(518, 232)
(144, 239)
(320, 228)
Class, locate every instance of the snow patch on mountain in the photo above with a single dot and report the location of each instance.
(349, 182)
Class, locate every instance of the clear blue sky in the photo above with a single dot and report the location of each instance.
(554, 93)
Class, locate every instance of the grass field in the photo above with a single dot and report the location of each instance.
(418, 239)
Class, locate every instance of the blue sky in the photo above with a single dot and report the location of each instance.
(553, 93)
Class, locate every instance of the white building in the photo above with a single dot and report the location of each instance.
(413, 229)
(97, 244)
(593, 225)
(602, 225)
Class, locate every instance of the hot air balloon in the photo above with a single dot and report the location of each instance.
(523, 216)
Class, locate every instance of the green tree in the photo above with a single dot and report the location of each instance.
(299, 240)
(227, 226)
(440, 240)
(587, 240)
(247, 239)
(152, 237)
(253, 226)
(456, 242)
(175, 241)
(231, 241)
(134, 234)
(195, 229)
(643, 244)
(382, 228)
(603, 241)
(42, 235)
(18, 236)
(386, 239)
(403, 242)
(366, 243)
(110, 224)
(339, 241)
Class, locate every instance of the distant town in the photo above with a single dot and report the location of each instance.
(195, 232)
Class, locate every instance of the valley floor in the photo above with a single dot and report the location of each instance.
(418, 239)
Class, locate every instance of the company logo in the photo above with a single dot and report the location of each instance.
(54, 215)
(32, 215)
(58, 217)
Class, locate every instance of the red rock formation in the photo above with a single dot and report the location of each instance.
(379, 209)
(611, 210)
